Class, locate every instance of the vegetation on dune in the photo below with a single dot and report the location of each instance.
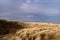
(8, 26)
(12, 30)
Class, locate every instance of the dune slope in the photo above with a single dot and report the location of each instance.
(11, 30)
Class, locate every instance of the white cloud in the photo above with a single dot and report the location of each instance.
(32, 8)
(26, 17)
(36, 1)
(27, 7)
(50, 11)
(4, 1)
(28, 1)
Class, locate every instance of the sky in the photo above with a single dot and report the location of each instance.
(30, 10)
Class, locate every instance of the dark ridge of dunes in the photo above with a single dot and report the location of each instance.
(12, 30)
(9, 26)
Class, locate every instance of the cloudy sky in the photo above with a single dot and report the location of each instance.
(30, 10)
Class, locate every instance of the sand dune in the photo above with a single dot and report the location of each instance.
(29, 30)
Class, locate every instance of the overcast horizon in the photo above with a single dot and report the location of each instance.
(30, 10)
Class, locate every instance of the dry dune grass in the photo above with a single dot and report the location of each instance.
(29, 31)
(43, 32)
